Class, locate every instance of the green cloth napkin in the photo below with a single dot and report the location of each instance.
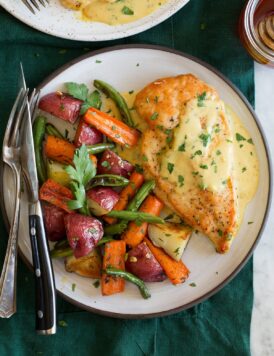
(219, 326)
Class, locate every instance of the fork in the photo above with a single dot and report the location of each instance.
(31, 4)
(11, 156)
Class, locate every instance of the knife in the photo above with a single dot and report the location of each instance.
(45, 294)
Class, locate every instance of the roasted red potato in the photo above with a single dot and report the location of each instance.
(61, 105)
(83, 233)
(54, 222)
(101, 200)
(111, 163)
(87, 266)
(144, 265)
(87, 135)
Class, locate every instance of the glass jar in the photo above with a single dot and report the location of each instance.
(255, 12)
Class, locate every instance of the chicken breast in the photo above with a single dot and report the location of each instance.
(188, 150)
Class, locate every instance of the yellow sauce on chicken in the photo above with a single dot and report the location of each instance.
(113, 12)
(236, 153)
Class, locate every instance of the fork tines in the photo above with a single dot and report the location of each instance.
(33, 4)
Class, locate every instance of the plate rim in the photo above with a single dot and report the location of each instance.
(270, 189)
(105, 37)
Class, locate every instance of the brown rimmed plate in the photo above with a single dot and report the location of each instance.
(127, 68)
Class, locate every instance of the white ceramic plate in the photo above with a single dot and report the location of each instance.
(209, 271)
(60, 22)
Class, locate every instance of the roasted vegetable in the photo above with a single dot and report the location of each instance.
(39, 130)
(111, 163)
(56, 194)
(141, 262)
(113, 128)
(54, 222)
(87, 135)
(172, 238)
(108, 180)
(83, 233)
(57, 172)
(61, 105)
(100, 147)
(176, 271)
(130, 278)
(118, 100)
(86, 266)
(101, 200)
(114, 257)
(137, 216)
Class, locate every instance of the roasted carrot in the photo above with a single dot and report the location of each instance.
(115, 129)
(176, 271)
(114, 257)
(135, 182)
(56, 194)
(61, 150)
(135, 233)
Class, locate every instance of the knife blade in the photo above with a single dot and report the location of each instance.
(45, 295)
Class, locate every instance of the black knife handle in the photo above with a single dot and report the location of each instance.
(45, 294)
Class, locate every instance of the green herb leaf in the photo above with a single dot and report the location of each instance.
(201, 99)
(239, 137)
(203, 166)
(127, 11)
(170, 167)
(78, 91)
(205, 138)
(193, 284)
(250, 141)
(82, 172)
(182, 147)
(181, 180)
(154, 116)
(62, 323)
(96, 284)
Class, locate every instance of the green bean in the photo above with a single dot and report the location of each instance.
(39, 130)
(104, 240)
(133, 206)
(135, 215)
(108, 180)
(141, 195)
(100, 147)
(64, 252)
(52, 131)
(61, 244)
(115, 229)
(131, 278)
(117, 98)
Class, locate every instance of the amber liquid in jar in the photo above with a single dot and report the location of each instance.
(256, 28)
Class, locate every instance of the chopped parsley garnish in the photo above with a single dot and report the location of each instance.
(62, 323)
(98, 61)
(170, 167)
(182, 147)
(195, 173)
(218, 152)
(96, 284)
(205, 138)
(220, 233)
(201, 99)
(202, 186)
(131, 92)
(127, 11)
(203, 166)
(198, 153)
(73, 286)
(239, 137)
(168, 217)
(154, 116)
(181, 180)
(144, 158)
(193, 284)
(250, 222)
(177, 251)
(138, 168)
(105, 164)
(244, 169)
(250, 141)
(229, 141)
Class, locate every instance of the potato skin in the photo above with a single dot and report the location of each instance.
(101, 200)
(86, 266)
(144, 265)
(54, 222)
(83, 233)
(115, 165)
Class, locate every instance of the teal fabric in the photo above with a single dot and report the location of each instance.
(218, 326)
